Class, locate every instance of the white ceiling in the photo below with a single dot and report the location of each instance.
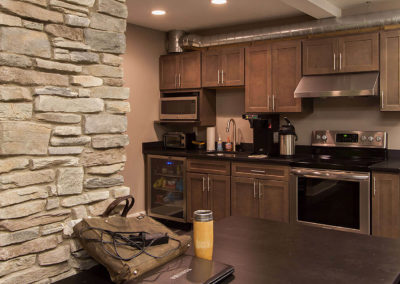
(200, 14)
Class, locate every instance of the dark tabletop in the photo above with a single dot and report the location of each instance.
(271, 252)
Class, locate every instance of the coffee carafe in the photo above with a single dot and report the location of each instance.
(287, 139)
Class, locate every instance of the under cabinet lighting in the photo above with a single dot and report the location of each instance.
(218, 2)
(158, 12)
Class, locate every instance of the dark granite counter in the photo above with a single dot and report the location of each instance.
(301, 159)
(390, 165)
(243, 156)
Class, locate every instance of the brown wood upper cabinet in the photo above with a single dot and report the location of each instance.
(386, 205)
(356, 53)
(272, 74)
(180, 71)
(223, 67)
(206, 190)
(390, 71)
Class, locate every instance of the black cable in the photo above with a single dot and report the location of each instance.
(119, 240)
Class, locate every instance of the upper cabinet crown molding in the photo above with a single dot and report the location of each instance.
(180, 71)
(223, 67)
(355, 53)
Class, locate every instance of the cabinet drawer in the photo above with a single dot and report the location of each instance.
(209, 166)
(260, 171)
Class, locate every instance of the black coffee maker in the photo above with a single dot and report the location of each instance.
(265, 133)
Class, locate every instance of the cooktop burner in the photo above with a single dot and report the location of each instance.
(346, 150)
(331, 162)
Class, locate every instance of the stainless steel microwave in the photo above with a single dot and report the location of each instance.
(179, 108)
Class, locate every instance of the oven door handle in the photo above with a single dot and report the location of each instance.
(338, 175)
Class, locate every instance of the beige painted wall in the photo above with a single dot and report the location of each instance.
(332, 113)
(144, 46)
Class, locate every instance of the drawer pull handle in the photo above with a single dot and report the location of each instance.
(257, 171)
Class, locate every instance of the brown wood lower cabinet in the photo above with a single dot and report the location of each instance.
(266, 199)
(244, 197)
(208, 191)
(386, 205)
(274, 200)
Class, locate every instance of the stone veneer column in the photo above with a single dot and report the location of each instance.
(62, 129)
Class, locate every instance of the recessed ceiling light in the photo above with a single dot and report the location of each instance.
(158, 12)
(218, 2)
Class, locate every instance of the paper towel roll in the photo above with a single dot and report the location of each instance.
(210, 138)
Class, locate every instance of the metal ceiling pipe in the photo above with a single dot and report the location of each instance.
(173, 44)
(302, 29)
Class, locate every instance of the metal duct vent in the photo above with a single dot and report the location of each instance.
(173, 44)
(302, 29)
(338, 85)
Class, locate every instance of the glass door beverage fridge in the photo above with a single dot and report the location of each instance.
(166, 192)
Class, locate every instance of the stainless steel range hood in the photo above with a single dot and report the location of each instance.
(338, 85)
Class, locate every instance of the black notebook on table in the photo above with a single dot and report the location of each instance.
(187, 269)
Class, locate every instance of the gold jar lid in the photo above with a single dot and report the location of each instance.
(203, 215)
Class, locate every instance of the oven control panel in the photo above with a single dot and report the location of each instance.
(337, 138)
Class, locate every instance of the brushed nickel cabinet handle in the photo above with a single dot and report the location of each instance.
(222, 73)
(340, 61)
(254, 189)
(260, 195)
(382, 100)
(204, 180)
(334, 61)
(179, 77)
(258, 171)
(208, 184)
(273, 102)
(218, 76)
(374, 186)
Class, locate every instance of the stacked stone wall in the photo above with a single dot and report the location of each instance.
(62, 129)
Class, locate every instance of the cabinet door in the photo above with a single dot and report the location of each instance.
(196, 193)
(168, 72)
(189, 76)
(232, 73)
(244, 200)
(386, 205)
(258, 79)
(274, 200)
(219, 196)
(319, 56)
(390, 71)
(211, 68)
(286, 74)
(359, 53)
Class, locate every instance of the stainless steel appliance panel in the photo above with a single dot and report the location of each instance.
(179, 108)
(330, 199)
(346, 138)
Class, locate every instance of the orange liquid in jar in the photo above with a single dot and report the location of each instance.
(203, 239)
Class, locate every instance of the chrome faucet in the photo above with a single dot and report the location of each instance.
(234, 132)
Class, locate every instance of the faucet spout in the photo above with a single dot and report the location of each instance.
(228, 126)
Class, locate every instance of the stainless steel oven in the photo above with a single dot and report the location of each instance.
(332, 199)
(179, 108)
